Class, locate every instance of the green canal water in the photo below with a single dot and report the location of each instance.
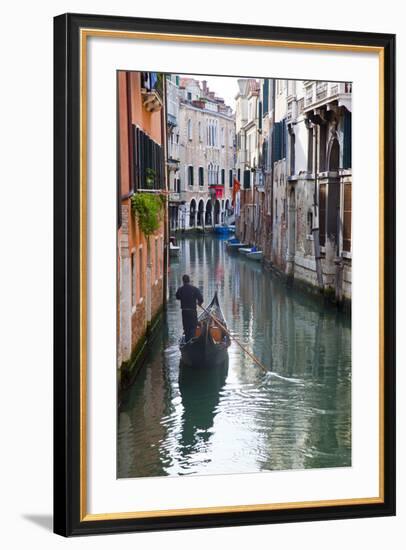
(240, 419)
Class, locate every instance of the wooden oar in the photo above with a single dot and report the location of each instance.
(257, 361)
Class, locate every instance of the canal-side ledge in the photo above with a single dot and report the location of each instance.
(128, 370)
(194, 230)
(326, 296)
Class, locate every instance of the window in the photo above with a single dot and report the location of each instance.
(247, 179)
(147, 162)
(133, 279)
(279, 140)
(322, 214)
(239, 175)
(322, 146)
(189, 129)
(310, 150)
(347, 218)
(200, 132)
(230, 178)
(189, 96)
(201, 176)
(265, 95)
(210, 174)
(222, 137)
(223, 177)
(190, 175)
(292, 153)
(347, 140)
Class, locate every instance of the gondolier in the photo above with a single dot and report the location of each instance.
(189, 297)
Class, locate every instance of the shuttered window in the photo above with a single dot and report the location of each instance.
(247, 179)
(347, 152)
(279, 140)
(148, 162)
(322, 214)
(265, 93)
(201, 176)
(347, 218)
(190, 175)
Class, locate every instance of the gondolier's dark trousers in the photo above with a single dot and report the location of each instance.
(189, 320)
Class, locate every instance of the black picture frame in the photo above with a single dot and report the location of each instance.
(67, 315)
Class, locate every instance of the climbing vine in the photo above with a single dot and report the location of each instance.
(148, 208)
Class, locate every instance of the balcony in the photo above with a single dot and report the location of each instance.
(174, 197)
(151, 91)
(321, 93)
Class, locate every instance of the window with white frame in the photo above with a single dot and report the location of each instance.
(190, 176)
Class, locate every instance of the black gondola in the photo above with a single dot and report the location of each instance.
(209, 346)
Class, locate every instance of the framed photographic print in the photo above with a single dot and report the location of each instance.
(224, 296)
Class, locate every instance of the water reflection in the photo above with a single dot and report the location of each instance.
(297, 415)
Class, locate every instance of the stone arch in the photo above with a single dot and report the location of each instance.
(192, 213)
(200, 213)
(208, 214)
(291, 233)
(333, 155)
(217, 212)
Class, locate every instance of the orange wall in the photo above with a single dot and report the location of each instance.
(151, 124)
(147, 121)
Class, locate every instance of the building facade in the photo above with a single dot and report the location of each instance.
(140, 259)
(299, 210)
(173, 159)
(203, 180)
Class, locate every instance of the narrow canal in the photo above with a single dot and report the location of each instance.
(240, 419)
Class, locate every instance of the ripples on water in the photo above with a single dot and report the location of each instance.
(240, 419)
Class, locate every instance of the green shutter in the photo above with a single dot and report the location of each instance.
(347, 150)
(265, 93)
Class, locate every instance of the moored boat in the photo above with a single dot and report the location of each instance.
(234, 244)
(256, 255)
(174, 249)
(245, 250)
(224, 229)
(209, 345)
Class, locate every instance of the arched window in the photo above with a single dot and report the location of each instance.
(210, 173)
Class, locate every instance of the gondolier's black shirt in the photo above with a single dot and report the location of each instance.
(189, 295)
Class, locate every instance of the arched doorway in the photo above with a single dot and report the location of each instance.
(192, 213)
(217, 209)
(333, 196)
(227, 211)
(200, 213)
(333, 155)
(290, 264)
(208, 215)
